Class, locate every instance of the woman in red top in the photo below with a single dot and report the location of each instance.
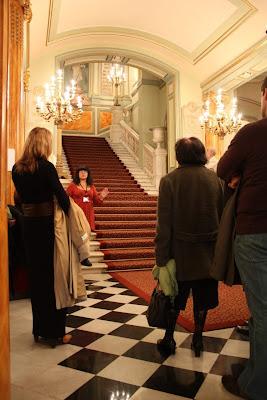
(85, 195)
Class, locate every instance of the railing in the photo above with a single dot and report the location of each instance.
(149, 160)
(130, 140)
(154, 160)
(128, 115)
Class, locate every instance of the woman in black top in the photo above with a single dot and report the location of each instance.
(36, 182)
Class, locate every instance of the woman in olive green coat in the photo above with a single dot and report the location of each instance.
(190, 205)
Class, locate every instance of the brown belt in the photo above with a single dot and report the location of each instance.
(38, 210)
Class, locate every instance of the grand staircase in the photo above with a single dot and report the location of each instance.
(125, 223)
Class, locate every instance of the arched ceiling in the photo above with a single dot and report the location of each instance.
(190, 28)
(204, 36)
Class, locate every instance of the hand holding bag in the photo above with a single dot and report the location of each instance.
(157, 310)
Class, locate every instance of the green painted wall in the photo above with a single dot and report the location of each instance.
(149, 110)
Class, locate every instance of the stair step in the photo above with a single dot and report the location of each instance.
(96, 256)
(128, 254)
(125, 225)
(128, 203)
(124, 210)
(96, 268)
(130, 264)
(94, 245)
(124, 233)
(126, 243)
(126, 217)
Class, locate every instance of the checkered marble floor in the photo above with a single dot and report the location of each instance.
(113, 353)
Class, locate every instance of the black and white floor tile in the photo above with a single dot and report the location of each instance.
(113, 354)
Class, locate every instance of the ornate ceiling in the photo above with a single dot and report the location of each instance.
(207, 38)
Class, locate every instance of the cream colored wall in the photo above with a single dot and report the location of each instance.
(249, 100)
(150, 108)
(187, 87)
(41, 71)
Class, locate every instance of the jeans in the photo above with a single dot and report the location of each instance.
(251, 261)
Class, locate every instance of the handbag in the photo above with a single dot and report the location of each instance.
(157, 309)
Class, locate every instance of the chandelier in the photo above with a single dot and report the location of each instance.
(220, 123)
(58, 105)
(117, 78)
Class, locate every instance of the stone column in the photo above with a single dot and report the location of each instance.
(116, 129)
(96, 80)
(159, 166)
(160, 155)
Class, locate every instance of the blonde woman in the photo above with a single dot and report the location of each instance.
(36, 182)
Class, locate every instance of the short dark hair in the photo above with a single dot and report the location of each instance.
(264, 85)
(76, 178)
(190, 151)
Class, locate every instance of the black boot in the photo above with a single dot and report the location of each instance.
(200, 318)
(168, 342)
(86, 262)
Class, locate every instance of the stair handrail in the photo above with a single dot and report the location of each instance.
(130, 140)
(149, 160)
(128, 115)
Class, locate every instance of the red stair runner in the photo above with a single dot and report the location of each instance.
(125, 223)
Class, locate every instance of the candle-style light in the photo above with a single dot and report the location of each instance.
(57, 106)
(117, 78)
(220, 123)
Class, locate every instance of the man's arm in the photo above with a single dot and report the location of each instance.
(164, 224)
(231, 163)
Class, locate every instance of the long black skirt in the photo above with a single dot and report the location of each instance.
(48, 322)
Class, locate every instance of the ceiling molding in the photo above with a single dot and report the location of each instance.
(254, 60)
(247, 100)
(132, 59)
(244, 9)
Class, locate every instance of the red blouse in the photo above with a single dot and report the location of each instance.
(78, 196)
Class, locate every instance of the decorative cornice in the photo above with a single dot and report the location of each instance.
(249, 58)
(244, 10)
(27, 11)
(26, 80)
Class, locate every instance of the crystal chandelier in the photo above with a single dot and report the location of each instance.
(220, 123)
(117, 78)
(58, 105)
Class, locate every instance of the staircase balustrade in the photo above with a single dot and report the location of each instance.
(128, 115)
(130, 140)
(154, 159)
(149, 160)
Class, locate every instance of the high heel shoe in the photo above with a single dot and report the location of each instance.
(197, 347)
(36, 338)
(166, 345)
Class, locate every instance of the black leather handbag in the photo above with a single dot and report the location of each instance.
(157, 310)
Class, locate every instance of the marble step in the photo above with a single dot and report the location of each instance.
(96, 268)
(96, 257)
(94, 245)
(152, 192)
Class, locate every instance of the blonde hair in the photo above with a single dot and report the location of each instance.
(38, 146)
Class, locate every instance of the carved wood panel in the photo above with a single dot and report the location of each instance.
(4, 292)
(15, 104)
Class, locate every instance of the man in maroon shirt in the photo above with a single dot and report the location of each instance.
(246, 159)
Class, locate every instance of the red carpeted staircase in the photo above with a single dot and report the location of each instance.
(125, 223)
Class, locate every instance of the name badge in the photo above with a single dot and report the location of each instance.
(86, 199)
